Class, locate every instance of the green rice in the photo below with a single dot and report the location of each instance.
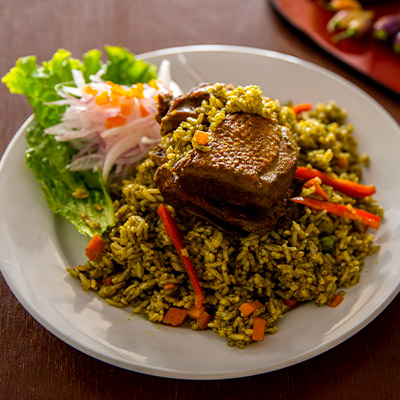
(287, 263)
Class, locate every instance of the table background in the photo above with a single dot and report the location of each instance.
(34, 364)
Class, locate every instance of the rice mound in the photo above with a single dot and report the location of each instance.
(287, 263)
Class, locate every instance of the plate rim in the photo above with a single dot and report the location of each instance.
(171, 373)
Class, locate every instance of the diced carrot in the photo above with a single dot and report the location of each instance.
(201, 137)
(248, 308)
(194, 312)
(291, 302)
(117, 120)
(102, 99)
(114, 99)
(90, 90)
(125, 106)
(336, 300)
(108, 281)
(302, 107)
(95, 247)
(204, 319)
(153, 84)
(143, 111)
(175, 316)
(259, 329)
(169, 286)
(342, 162)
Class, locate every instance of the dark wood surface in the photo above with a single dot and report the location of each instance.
(34, 364)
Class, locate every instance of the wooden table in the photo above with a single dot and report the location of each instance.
(37, 365)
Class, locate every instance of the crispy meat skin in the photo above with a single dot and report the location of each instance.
(252, 162)
(243, 182)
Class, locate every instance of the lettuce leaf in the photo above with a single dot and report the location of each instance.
(47, 158)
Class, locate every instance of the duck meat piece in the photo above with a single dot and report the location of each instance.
(252, 161)
(242, 182)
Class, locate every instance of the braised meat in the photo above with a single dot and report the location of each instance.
(172, 111)
(242, 182)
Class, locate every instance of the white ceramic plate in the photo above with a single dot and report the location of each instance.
(36, 246)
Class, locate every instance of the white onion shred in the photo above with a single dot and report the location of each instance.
(110, 125)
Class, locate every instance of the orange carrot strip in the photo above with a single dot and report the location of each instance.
(318, 188)
(115, 121)
(175, 316)
(302, 107)
(204, 319)
(336, 300)
(259, 329)
(169, 286)
(194, 312)
(248, 308)
(95, 247)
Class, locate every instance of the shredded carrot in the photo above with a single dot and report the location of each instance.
(169, 286)
(117, 120)
(194, 312)
(204, 319)
(248, 308)
(318, 191)
(336, 300)
(201, 137)
(102, 98)
(95, 247)
(259, 329)
(175, 316)
(90, 90)
(302, 107)
(291, 302)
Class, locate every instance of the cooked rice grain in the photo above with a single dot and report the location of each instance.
(287, 263)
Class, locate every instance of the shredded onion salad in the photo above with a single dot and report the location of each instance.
(110, 124)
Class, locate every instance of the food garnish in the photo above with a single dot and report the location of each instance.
(66, 147)
(173, 233)
(345, 186)
(341, 210)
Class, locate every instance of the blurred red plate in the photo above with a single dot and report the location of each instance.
(368, 56)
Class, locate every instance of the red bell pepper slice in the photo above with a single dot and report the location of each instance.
(339, 209)
(342, 185)
(173, 233)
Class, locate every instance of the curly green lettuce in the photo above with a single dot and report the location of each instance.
(79, 196)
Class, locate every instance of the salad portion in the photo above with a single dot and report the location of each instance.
(92, 118)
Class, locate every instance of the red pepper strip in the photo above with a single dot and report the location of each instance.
(342, 185)
(339, 209)
(174, 234)
(298, 108)
(318, 191)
